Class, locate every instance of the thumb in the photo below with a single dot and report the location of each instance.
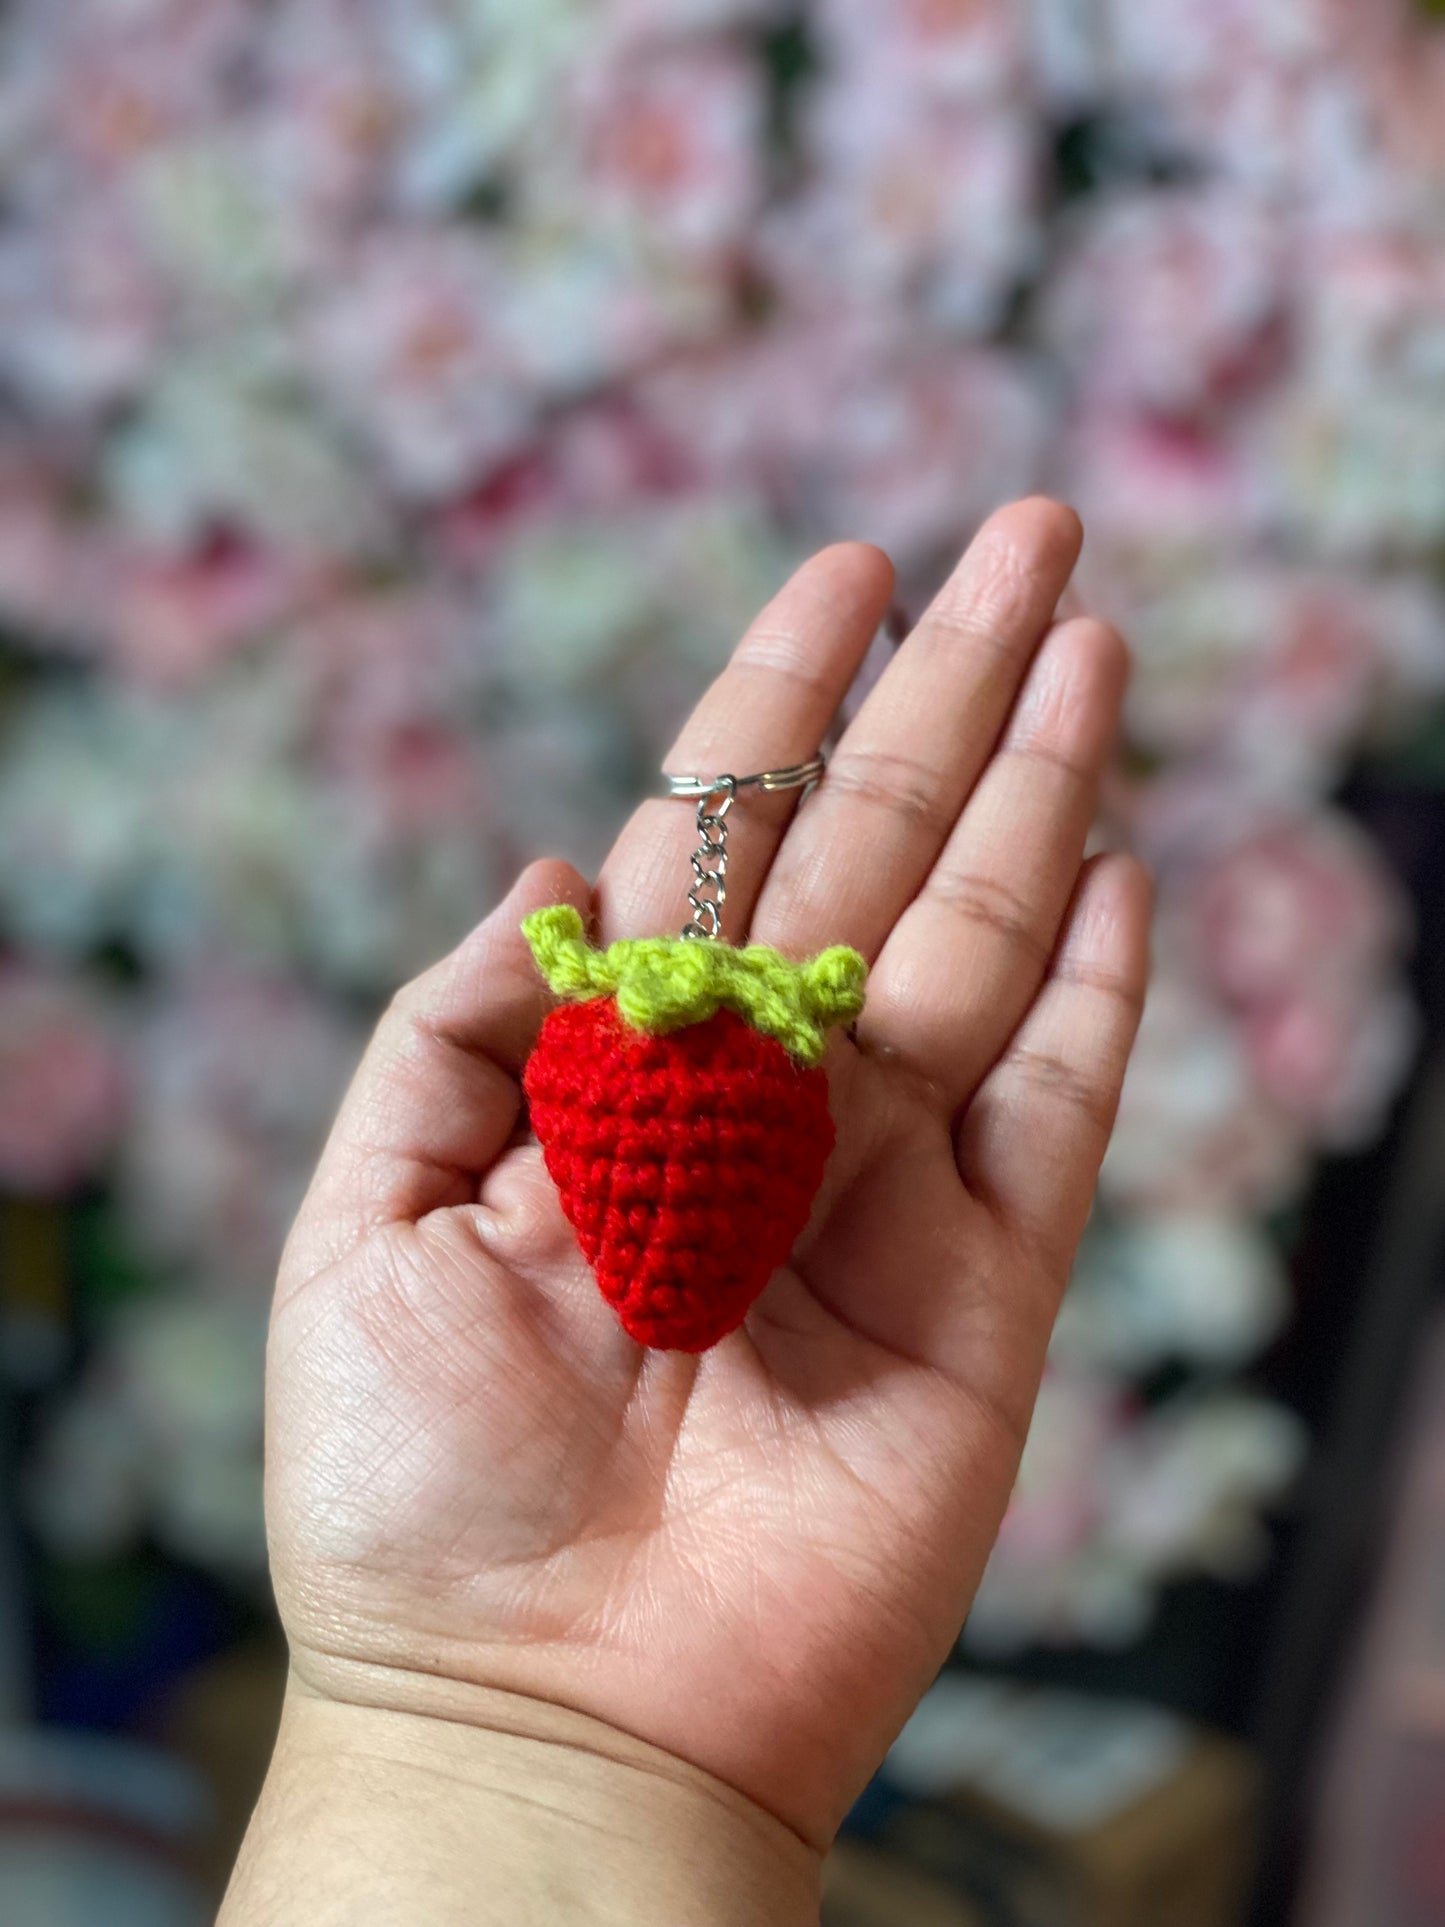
(436, 1097)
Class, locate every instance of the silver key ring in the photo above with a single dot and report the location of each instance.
(798, 776)
(715, 796)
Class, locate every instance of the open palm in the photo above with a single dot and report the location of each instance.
(757, 1558)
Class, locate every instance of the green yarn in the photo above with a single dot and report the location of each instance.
(662, 983)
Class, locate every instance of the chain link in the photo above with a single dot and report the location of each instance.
(709, 890)
(715, 797)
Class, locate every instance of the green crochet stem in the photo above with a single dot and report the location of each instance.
(663, 983)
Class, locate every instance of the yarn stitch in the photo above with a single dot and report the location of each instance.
(686, 1163)
(683, 1116)
(664, 983)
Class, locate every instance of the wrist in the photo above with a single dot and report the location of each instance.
(517, 1811)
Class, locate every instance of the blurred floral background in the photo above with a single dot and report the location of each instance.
(403, 404)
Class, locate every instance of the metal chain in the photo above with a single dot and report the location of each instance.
(709, 890)
(715, 796)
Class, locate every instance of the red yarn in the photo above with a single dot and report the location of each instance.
(687, 1163)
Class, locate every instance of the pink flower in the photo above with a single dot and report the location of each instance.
(1202, 639)
(83, 312)
(1327, 100)
(1335, 1055)
(1142, 482)
(331, 110)
(1371, 303)
(912, 452)
(410, 348)
(237, 1076)
(442, 347)
(1173, 304)
(730, 411)
(62, 1085)
(603, 457)
(171, 619)
(92, 91)
(80, 584)
(947, 48)
(1307, 901)
(418, 777)
(857, 428)
(1273, 671)
(37, 542)
(1181, 816)
(468, 531)
(1358, 441)
(1176, 48)
(886, 217)
(663, 149)
(1396, 54)
(1346, 657)
(398, 654)
(393, 676)
(1308, 689)
(1301, 928)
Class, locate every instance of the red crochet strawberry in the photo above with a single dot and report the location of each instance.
(682, 1115)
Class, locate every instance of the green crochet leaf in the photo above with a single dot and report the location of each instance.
(663, 983)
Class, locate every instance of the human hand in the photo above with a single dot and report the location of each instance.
(481, 1493)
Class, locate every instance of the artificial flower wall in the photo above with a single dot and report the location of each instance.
(403, 403)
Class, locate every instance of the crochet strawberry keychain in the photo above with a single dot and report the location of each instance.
(678, 1097)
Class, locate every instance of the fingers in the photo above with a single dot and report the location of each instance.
(770, 707)
(869, 836)
(436, 1097)
(965, 959)
(1032, 1140)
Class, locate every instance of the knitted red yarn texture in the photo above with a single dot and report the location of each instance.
(686, 1163)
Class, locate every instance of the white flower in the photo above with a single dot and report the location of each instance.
(165, 1432)
(882, 216)
(409, 349)
(223, 441)
(1192, 1286)
(1194, 1128)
